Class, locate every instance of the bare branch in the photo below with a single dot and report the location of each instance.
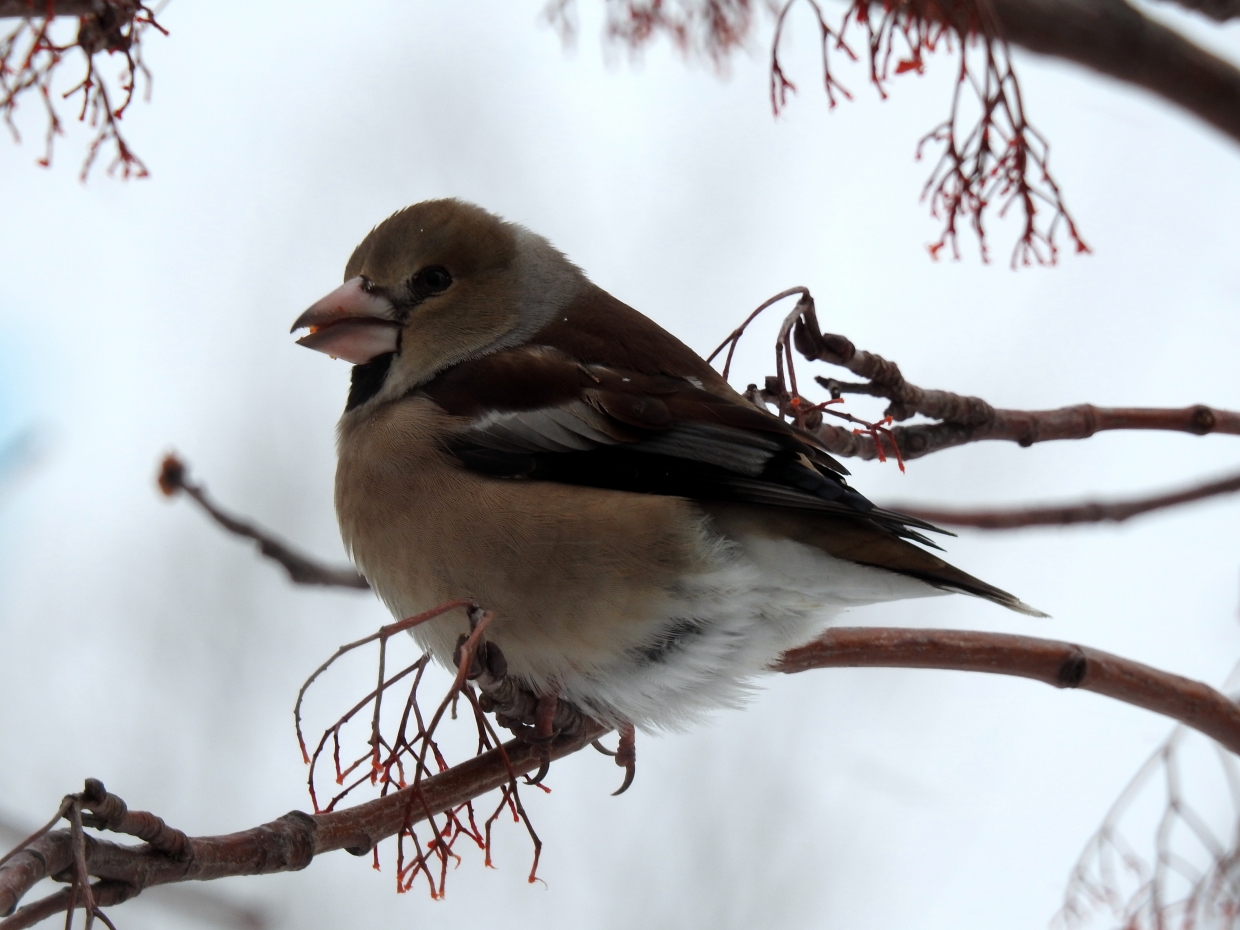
(105, 894)
(174, 478)
(287, 844)
(1067, 514)
(1117, 40)
(1026, 427)
(1060, 664)
(292, 841)
(184, 899)
(37, 9)
(1218, 10)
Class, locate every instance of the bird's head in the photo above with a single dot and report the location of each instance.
(433, 285)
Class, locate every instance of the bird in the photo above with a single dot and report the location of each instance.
(648, 540)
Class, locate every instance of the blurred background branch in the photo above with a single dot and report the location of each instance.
(174, 478)
(992, 518)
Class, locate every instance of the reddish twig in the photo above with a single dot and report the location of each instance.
(828, 37)
(174, 477)
(382, 635)
(961, 419)
(710, 28)
(734, 337)
(1067, 514)
(991, 157)
(388, 759)
(30, 62)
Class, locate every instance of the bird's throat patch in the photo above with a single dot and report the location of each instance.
(367, 379)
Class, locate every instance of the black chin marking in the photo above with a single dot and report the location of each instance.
(367, 379)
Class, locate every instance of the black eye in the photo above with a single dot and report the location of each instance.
(431, 280)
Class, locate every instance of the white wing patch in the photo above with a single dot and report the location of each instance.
(574, 427)
(578, 427)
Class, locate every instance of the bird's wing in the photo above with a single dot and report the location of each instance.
(536, 413)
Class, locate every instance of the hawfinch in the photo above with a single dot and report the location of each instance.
(647, 539)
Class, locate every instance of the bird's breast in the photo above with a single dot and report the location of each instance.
(575, 575)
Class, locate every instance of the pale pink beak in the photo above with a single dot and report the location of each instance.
(350, 323)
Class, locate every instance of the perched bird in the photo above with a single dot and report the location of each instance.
(648, 539)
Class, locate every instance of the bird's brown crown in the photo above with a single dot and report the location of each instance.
(465, 239)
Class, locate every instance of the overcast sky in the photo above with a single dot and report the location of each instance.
(143, 647)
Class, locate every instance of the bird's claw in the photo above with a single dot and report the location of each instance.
(544, 765)
(626, 756)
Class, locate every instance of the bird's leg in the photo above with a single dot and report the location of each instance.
(536, 719)
(544, 731)
(544, 716)
(626, 756)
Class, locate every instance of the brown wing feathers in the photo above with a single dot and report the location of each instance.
(605, 331)
(539, 414)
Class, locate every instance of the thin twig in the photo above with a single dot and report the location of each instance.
(1147, 900)
(383, 634)
(174, 477)
(1068, 514)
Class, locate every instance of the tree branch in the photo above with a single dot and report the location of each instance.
(1218, 10)
(292, 841)
(287, 844)
(963, 419)
(1113, 38)
(1059, 664)
(174, 477)
(37, 9)
(1026, 427)
(1067, 514)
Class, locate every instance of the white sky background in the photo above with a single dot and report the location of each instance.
(144, 647)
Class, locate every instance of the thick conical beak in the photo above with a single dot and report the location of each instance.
(351, 323)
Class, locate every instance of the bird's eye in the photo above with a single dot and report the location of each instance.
(431, 280)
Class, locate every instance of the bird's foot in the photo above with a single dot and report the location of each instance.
(537, 719)
(532, 718)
